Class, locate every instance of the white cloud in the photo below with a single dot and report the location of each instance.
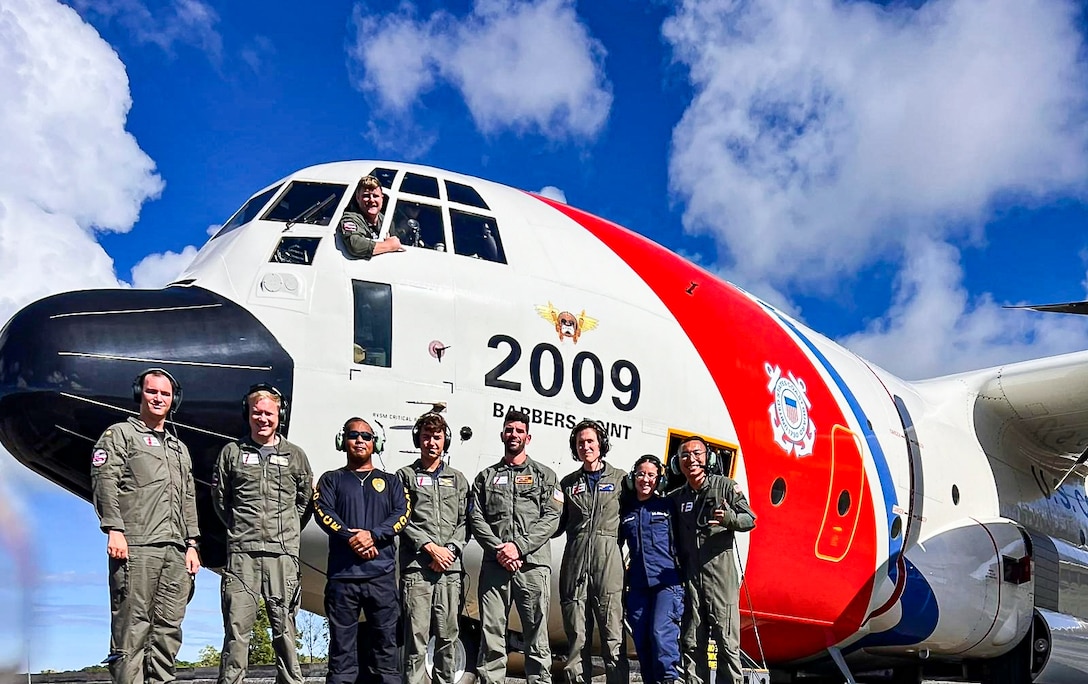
(157, 270)
(189, 22)
(69, 166)
(520, 66)
(553, 193)
(824, 135)
(935, 327)
(214, 228)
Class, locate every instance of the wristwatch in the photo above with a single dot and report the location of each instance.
(454, 550)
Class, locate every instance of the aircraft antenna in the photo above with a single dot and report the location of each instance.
(1080, 461)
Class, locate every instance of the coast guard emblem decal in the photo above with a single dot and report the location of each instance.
(794, 430)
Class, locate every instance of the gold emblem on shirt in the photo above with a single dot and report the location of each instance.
(379, 484)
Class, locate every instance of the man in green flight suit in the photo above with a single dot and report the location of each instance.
(361, 229)
(430, 552)
(262, 489)
(591, 575)
(711, 509)
(142, 486)
(513, 513)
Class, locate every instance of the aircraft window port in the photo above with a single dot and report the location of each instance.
(778, 491)
(956, 495)
(307, 202)
(897, 527)
(419, 225)
(844, 502)
(463, 194)
(295, 250)
(424, 186)
(373, 323)
(476, 236)
(385, 177)
(248, 212)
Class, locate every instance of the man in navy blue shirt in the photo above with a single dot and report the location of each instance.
(362, 509)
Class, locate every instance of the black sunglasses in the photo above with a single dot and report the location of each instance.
(353, 435)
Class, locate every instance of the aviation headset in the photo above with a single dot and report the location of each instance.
(377, 428)
(711, 455)
(659, 486)
(602, 436)
(265, 387)
(138, 386)
(448, 436)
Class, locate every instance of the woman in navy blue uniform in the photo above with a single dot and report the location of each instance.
(654, 585)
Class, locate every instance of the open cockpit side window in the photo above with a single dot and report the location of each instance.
(373, 323)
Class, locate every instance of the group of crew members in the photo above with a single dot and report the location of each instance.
(680, 586)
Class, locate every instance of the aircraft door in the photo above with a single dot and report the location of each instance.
(423, 317)
(845, 495)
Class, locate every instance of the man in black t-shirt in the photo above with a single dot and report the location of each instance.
(362, 509)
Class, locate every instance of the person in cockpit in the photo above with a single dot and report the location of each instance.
(361, 225)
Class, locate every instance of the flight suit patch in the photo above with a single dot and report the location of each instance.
(379, 484)
(98, 458)
(446, 481)
(279, 460)
(523, 479)
(558, 495)
(687, 506)
(424, 480)
(500, 480)
(578, 489)
(251, 459)
(151, 441)
(606, 487)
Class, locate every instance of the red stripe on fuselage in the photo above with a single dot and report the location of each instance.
(802, 603)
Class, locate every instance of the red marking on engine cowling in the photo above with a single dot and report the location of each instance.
(810, 578)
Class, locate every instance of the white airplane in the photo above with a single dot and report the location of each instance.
(906, 527)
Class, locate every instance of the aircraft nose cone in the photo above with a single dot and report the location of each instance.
(67, 365)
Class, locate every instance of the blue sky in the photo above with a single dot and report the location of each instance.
(890, 174)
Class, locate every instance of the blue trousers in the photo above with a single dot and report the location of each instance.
(655, 615)
(379, 600)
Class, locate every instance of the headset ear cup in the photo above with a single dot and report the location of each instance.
(340, 446)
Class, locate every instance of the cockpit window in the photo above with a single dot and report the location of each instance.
(476, 236)
(425, 186)
(385, 177)
(307, 202)
(295, 250)
(248, 212)
(464, 194)
(373, 323)
(418, 225)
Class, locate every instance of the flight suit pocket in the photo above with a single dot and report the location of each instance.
(146, 469)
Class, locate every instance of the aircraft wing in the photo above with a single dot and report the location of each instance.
(1044, 401)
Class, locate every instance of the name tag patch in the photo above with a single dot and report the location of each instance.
(606, 487)
(424, 481)
(251, 459)
(501, 480)
(445, 481)
(523, 479)
(151, 441)
(279, 460)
